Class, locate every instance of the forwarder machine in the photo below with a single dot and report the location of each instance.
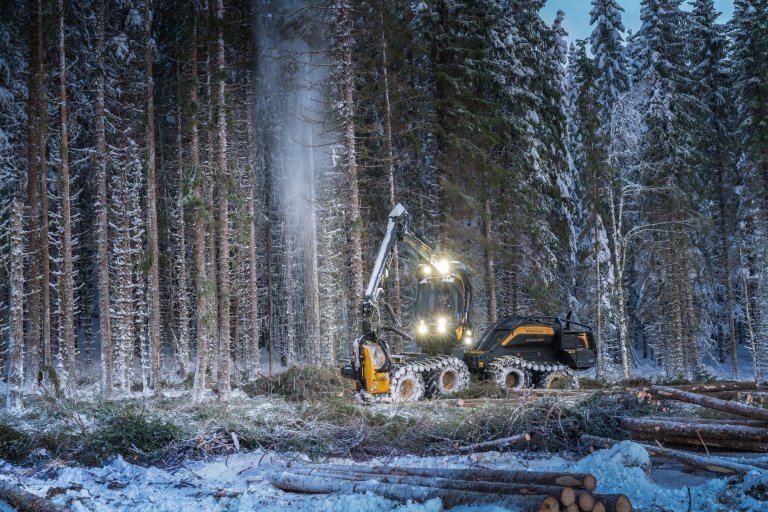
(516, 352)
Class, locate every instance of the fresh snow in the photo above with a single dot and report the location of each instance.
(236, 483)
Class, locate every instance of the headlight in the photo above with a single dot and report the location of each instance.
(421, 329)
(441, 324)
(426, 270)
(468, 340)
(443, 266)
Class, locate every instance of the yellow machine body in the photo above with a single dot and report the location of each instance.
(375, 382)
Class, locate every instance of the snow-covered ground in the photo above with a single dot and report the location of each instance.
(237, 483)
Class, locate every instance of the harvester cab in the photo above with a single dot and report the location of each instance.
(441, 312)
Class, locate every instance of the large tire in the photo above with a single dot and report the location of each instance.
(509, 373)
(450, 377)
(562, 379)
(406, 385)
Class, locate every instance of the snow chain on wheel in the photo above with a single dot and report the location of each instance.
(448, 376)
(562, 378)
(509, 372)
(405, 384)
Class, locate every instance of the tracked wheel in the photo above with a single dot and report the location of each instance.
(559, 379)
(406, 385)
(448, 378)
(510, 373)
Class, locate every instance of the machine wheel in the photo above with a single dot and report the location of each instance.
(450, 377)
(510, 373)
(406, 385)
(562, 379)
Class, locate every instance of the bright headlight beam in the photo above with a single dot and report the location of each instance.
(422, 329)
(442, 266)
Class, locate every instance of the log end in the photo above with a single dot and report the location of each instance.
(567, 496)
(586, 501)
(550, 504)
(590, 482)
(623, 504)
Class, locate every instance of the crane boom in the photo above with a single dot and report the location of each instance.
(398, 229)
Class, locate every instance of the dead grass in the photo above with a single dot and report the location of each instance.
(309, 411)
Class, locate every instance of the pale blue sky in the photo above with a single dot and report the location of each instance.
(577, 14)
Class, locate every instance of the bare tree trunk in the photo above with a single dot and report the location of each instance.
(598, 282)
(254, 359)
(224, 334)
(68, 312)
(202, 294)
(33, 328)
(105, 324)
(211, 233)
(42, 125)
(182, 338)
(312, 271)
(619, 246)
(154, 270)
(16, 309)
(270, 303)
(756, 373)
(391, 178)
(490, 278)
(728, 269)
(355, 221)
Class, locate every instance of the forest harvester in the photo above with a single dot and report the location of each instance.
(516, 352)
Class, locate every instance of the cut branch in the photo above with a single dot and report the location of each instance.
(497, 444)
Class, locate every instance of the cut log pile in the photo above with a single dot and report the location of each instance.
(522, 490)
(748, 434)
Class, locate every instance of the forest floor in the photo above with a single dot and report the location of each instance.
(171, 453)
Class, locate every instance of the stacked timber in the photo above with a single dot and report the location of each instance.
(522, 490)
(747, 434)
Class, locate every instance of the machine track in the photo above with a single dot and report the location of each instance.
(448, 376)
(427, 377)
(510, 372)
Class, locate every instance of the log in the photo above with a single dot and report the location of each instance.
(567, 496)
(612, 503)
(713, 464)
(25, 501)
(694, 430)
(704, 443)
(739, 409)
(441, 483)
(289, 482)
(572, 508)
(576, 480)
(586, 500)
(710, 387)
(589, 501)
(496, 444)
(684, 419)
